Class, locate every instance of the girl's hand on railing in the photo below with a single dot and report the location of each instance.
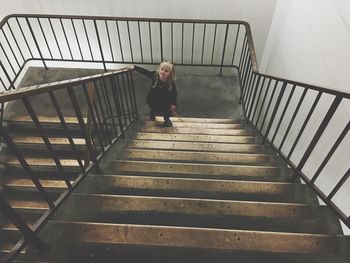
(173, 108)
(131, 67)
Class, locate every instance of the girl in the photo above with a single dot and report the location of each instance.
(162, 97)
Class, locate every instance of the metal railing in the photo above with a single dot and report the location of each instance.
(110, 40)
(307, 125)
(101, 108)
(294, 118)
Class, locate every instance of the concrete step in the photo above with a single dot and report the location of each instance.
(196, 146)
(36, 143)
(204, 213)
(191, 137)
(181, 124)
(49, 122)
(104, 252)
(43, 164)
(242, 171)
(221, 241)
(28, 185)
(24, 199)
(197, 188)
(198, 157)
(196, 120)
(197, 130)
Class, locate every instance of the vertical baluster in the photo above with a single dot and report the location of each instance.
(214, 41)
(104, 119)
(55, 37)
(130, 45)
(268, 106)
(203, 41)
(76, 108)
(100, 45)
(235, 47)
(117, 105)
(77, 39)
(293, 118)
(24, 38)
(120, 41)
(88, 39)
(337, 100)
(16, 42)
(66, 38)
(331, 152)
(66, 130)
(44, 35)
(306, 121)
(46, 140)
(224, 49)
(89, 92)
(121, 99)
(140, 39)
(283, 113)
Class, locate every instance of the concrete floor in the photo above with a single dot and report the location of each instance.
(201, 93)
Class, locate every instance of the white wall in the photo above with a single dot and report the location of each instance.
(309, 41)
(258, 13)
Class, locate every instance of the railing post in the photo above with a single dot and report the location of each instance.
(36, 42)
(10, 213)
(224, 49)
(91, 93)
(100, 46)
(133, 93)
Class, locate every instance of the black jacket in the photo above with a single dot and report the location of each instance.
(161, 95)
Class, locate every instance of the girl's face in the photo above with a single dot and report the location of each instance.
(164, 73)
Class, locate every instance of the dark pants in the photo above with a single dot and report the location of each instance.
(166, 114)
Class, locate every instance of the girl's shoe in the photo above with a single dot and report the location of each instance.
(167, 123)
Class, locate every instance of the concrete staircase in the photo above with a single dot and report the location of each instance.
(205, 190)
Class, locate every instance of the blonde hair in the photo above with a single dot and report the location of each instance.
(171, 68)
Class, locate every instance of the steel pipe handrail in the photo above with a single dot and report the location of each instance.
(10, 95)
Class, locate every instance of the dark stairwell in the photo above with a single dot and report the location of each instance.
(210, 189)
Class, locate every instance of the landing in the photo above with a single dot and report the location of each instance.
(200, 94)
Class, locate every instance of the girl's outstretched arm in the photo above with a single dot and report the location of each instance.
(146, 72)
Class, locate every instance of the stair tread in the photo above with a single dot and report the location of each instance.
(195, 146)
(196, 119)
(178, 167)
(42, 161)
(195, 205)
(242, 240)
(191, 187)
(196, 130)
(39, 140)
(198, 156)
(44, 119)
(208, 125)
(18, 182)
(192, 137)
